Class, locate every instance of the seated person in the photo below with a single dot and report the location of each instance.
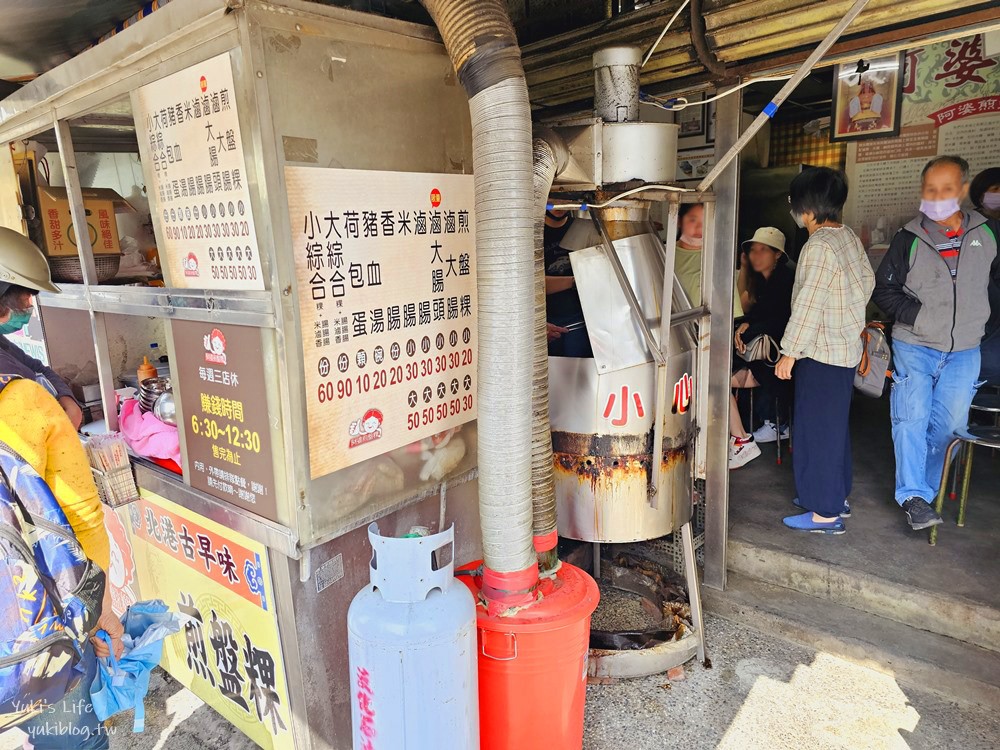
(765, 287)
(567, 332)
(687, 258)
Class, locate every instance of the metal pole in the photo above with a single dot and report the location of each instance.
(719, 272)
(666, 309)
(783, 94)
(694, 590)
(98, 323)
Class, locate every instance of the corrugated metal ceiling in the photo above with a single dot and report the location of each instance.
(37, 35)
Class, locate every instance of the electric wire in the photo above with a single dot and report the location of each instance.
(663, 33)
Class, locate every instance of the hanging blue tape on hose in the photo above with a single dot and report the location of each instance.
(770, 109)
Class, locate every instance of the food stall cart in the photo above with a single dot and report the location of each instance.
(302, 176)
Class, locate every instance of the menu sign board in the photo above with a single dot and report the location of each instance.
(199, 193)
(386, 270)
(220, 376)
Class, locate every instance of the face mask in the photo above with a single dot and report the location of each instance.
(18, 320)
(694, 242)
(991, 201)
(940, 210)
(797, 218)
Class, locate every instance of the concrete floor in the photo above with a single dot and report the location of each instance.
(878, 540)
(761, 692)
(765, 692)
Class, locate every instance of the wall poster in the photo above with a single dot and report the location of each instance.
(386, 270)
(951, 105)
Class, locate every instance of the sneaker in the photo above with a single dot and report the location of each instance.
(845, 513)
(805, 522)
(920, 514)
(768, 432)
(742, 452)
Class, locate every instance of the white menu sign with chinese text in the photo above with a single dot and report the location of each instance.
(199, 194)
(386, 270)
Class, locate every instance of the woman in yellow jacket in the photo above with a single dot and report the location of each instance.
(34, 424)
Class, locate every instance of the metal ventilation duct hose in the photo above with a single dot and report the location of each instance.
(542, 483)
(481, 42)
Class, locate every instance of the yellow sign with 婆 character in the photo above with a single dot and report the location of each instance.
(229, 652)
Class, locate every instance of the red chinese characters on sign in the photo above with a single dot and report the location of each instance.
(970, 107)
(912, 60)
(683, 390)
(366, 710)
(623, 404)
(55, 230)
(964, 60)
(225, 562)
(105, 222)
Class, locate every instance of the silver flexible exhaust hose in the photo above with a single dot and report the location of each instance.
(481, 42)
(542, 484)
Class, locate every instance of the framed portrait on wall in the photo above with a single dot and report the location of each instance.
(867, 98)
(691, 119)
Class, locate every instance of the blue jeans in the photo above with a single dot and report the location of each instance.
(931, 395)
(70, 724)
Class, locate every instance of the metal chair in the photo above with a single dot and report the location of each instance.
(987, 436)
(777, 417)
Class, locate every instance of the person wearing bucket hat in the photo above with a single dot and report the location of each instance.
(35, 427)
(765, 286)
(23, 273)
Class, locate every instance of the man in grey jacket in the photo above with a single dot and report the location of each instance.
(933, 282)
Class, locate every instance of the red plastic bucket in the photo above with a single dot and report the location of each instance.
(533, 666)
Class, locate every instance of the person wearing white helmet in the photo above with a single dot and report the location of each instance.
(23, 273)
(34, 427)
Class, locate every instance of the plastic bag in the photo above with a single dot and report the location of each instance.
(122, 683)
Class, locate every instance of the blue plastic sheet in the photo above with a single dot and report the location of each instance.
(122, 683)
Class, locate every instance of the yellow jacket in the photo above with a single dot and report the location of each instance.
(33, 423)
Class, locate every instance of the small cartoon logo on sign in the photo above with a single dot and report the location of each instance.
(215, 347)
(203, 83)
(121, 574)
(435, 197)
(367, 429)
(683, 390)
(190, 265)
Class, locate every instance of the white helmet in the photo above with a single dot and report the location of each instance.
(23, 264)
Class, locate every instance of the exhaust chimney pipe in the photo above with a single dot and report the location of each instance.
(480, 39)
(549, 157)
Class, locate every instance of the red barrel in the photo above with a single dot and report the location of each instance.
(533, 666)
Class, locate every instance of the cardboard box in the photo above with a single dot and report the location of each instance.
(57, 225)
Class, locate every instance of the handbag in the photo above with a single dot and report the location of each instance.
(876, 362)
(761, 348)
